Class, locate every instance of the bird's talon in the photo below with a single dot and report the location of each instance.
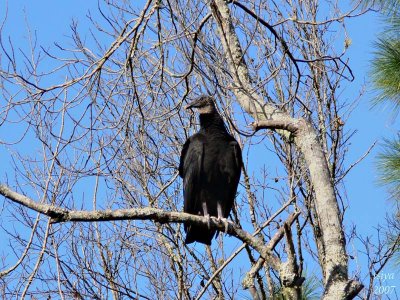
(226, 224)
(208, 221)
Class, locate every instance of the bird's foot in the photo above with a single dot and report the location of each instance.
(226, 223)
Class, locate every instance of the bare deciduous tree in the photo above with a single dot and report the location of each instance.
(103, 144)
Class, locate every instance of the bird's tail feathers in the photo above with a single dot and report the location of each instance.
(199, 234)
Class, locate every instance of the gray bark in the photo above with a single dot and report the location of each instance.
(332, 255)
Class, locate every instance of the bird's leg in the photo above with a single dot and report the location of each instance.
(219, 211)
(205, 212)
(221, 216)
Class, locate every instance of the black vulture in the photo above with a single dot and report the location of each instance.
(210, 166)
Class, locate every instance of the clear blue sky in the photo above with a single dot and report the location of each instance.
(368, 203)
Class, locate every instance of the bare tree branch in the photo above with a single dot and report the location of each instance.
(333, 256)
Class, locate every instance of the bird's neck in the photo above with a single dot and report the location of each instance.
(212, 121)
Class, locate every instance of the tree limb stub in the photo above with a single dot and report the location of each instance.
(293, 125)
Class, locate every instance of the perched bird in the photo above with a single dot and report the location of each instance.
(210, 166)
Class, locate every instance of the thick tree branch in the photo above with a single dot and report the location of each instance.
(332, 255)
(58, 215)
(293, 126)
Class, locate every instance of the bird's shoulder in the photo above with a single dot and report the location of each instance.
(192, 149)
(194, 140)
(199, 137)
(225, 139)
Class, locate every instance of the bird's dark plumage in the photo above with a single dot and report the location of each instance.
(210, 166)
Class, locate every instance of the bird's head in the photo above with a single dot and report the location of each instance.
(204, 104)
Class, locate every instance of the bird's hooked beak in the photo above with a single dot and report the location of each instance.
(201, 102)
(192, 104)
(203, 105)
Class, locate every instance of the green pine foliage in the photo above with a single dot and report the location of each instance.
(386, 72)
(389, 166)
(310, 290)
(386, 79)
(385, 6)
